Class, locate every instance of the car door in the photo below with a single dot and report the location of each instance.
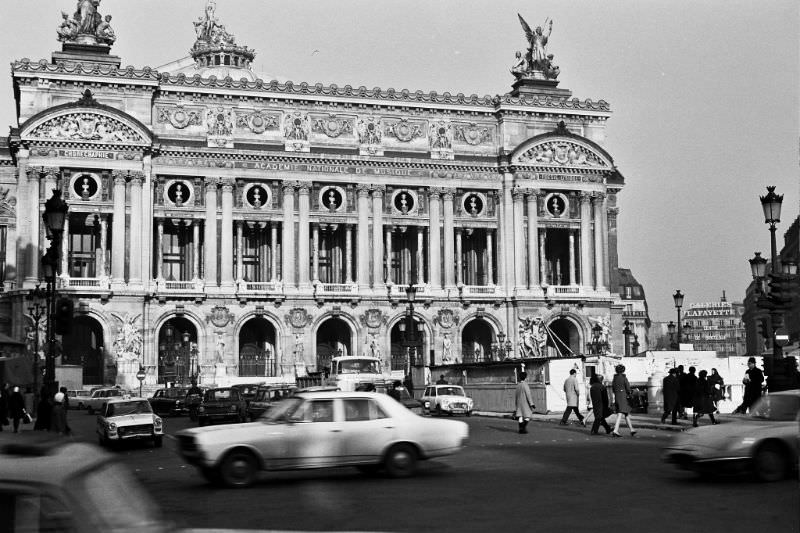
(313, 436)
(157, 401)
(367, 430)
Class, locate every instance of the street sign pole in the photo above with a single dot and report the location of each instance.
(140, 375)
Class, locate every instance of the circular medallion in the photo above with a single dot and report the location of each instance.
(331, 199)
(404, 202)
(257, 196)
(179, 193)
(85, 186)
(473, 204)
(257, 124)
(556, 205)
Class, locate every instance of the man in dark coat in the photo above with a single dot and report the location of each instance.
(16, 408)
(671, 389)
(687, 385)
(753, 381)
(600, 406)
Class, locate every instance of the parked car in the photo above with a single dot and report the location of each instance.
(764, 443)
(101, 396)
(322, 429)
(193, 400)
(404, 397)
(127, 418)
(265, 397)
(221, 404)
(171, 401)
(55, 484)
(246, 390)
(77, 398)
(446, 399)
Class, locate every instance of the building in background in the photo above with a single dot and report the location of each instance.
(716, 326)
(635, 312)
(230, 228)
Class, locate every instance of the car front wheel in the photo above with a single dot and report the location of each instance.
(238, 469)
(401, 460)
(770, 463)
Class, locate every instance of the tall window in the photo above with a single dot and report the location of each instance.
(84, 247)
(177, 249)
(255, 254)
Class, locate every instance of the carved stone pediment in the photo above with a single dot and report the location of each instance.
(86, 126)
(563, 153)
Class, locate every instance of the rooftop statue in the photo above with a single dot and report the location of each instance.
(209, 29)
(87, 25)
(536, 63)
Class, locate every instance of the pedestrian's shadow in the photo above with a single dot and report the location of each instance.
(505, 429)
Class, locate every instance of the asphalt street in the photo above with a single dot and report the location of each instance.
(552, 479)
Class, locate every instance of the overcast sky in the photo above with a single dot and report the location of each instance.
(704, 96)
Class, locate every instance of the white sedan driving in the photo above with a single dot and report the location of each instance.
(322, 429)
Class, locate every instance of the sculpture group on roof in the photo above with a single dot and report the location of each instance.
(536, 63)
(86, 25)
(210, 30)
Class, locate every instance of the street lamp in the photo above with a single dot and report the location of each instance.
(626, 331)
(671, 331)
(408, 327)
(771, 205)
(37, 310)
(678, 299)
(54, 217)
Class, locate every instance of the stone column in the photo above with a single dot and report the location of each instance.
(348, 252)
(489, 257)
(64, 267)
(459, 258)
(389, 273)
(377, 236)
(533, 238)
(519, 239)
(210, 233)
(303, 207)
(287, 244)
(449, 233)
(226, 239)
(160, 250)
(604, 233)
(34, 252)
(585, 239)
(136, 260)
(572, 257)
(420, 256)
(315, 252)
(273, 251)
(195, 250)
(434, 239)
(362, 237)
(599, 213)
(506, 252)
(16, 256)
(542, 258)
(103, 246)
(239, 250)
(118, 230)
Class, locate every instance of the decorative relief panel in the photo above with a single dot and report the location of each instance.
(404, 130)
(219, 124)
(295, 132)
(370, 135)
(258, 121)
(473, 134)
(179, 116)
(86, 127)
(564, 153)
(8, 204)
(333, 125)
(440, 138)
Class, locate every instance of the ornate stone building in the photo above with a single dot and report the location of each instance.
(717, 326)
(234, 227)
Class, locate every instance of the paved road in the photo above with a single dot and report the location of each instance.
(552, 479)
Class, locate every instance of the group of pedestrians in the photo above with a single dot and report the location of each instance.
(700, 392)
(51, 410)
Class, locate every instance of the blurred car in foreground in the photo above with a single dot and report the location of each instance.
(446, 399)
(128, 418)
(221, 404)
(267, 396)
(764, 443)
(77, 398)
(171, 401)
(56, 484)
(367, 430)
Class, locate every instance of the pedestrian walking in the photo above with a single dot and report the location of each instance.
(687, 389)
(523, 403)
(753, 381)
(43, 410)
(3, 409)
(572, 390)
(16, 408)
(681, 374)
(63, 390)
(717, 388)
(58, 419)
(703, 399)
(621, 389)
(671, 389)
(600, 407)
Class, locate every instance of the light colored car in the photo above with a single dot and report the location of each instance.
(322, 429)
(77, 398)
(127, 418)
(446, 399)
(764, 443)
(101, 396)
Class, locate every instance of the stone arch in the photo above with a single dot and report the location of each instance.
(85, 346)
(269, 317)
(391, 342)
(476, 336)
(256, 344)
(332, 341)
(166, 350)
(569, 329)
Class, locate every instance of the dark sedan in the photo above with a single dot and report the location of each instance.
(220, 405)
(171, 401)
(267, 396)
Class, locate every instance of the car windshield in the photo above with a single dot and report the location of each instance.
(453, 391)
(359, 366)
(218, 394)
(778, 407)
(283, 411)
(175, 393)
(128, 408)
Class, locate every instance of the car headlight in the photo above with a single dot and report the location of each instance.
(201, 409)
(427, 404)
(111, 426)
(157, 422)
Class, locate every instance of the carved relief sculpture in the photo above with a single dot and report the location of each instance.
(295, 132)
(333, 126)
(561, 153)
(86, 127)
(537, 63)
(179, 117)
(219, 124)
(533, 337)
(404, 131)
(257, 121)
(472, 134)
(370, 136)
(87, 25)
(128, 342)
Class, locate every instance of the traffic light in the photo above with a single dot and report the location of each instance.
(780, 289)
(63, 315)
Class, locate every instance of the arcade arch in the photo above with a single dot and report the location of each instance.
(257, 354)
(334, 337)
(83, 346)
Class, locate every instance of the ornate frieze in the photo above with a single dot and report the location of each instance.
(179, 116)
(405, 130)
(258, 121)
(370, 135)
(86, 126)
(562, 153)
(473, 134)
(295, 132)
(219, 124)
(333, 126)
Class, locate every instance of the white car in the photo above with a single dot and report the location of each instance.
(764, 443)
(100, 396)
(446, 399)
(367, 430)
(127, 418)
(77, 398)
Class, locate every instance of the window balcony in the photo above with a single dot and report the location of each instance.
(97, 284)
(335, 288)
(182, 286)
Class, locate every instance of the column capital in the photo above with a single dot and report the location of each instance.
(518, 194)
(288, 186)
(435, 192)
(584, 197)
(212, 182)
(534, 194)
(598, 196)
(613, 212)
(50, 171)
(304, 187)
(120, 178)
(378, 190)
(137, 177)
(363, 190)
(448, 193)
(227, 184)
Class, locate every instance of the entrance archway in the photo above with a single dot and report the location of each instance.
(177, 351)
(83, 346)
(476, 341)
(563, 338)
(404, 354)
(333, 339)
(257, 348)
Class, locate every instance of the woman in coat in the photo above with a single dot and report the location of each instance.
(58, 416)
(597, 392)
(703, 400)
(16, 408)
(717, 388)
(621, 389)
(523, 403)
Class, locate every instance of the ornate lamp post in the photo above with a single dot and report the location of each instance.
(408, 327)
(37, 310)
(771, 205)
(671, 331)
(54, 216)
(678, 299)
(627, 332)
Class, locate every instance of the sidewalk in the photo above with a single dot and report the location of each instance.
(640, 420)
